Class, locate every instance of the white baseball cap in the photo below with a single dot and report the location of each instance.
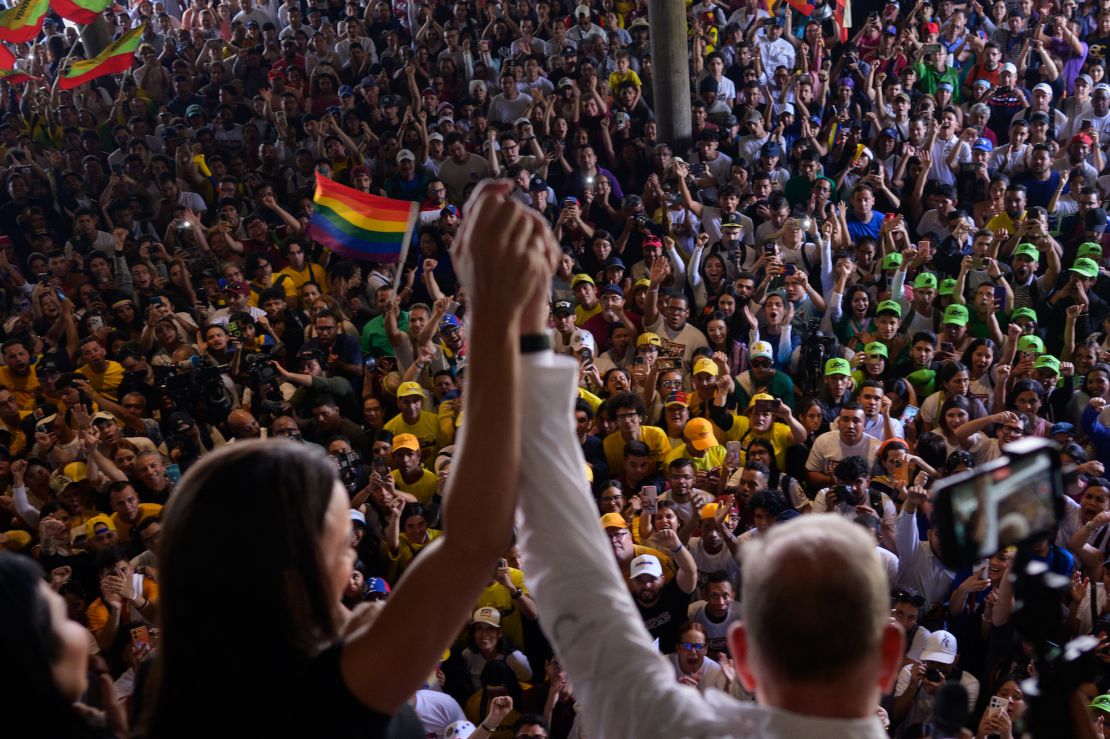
(760, 349)
(405, 154)
(940, 646)
(645, 564)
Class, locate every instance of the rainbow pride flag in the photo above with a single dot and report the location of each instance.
(358, 225)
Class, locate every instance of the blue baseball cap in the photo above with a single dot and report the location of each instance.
(449, 321)
(983, 145)
(449, 210)
(346, 90)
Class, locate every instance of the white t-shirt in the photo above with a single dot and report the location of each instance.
(828, 448)
(437, 711)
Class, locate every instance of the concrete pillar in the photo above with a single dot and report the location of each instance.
(670, 58)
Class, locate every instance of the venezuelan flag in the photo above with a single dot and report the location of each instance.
(358, 225)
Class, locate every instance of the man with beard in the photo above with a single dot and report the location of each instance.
(663, 604)
(1041, 181)
(1028, 288)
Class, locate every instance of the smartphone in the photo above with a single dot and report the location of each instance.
(95, 323)
(901, 472)
(202, 295)
(924, 243)
(502, 563)
(140, 638)
(999, 296)
(280, 119)
(791, 270)
(931, 49)
(649, 496)
(909, 414)
(42, 277)
(770, 249)
(999, 704)
(117, 170)
(764, 406)
(732, 453)
(639, 359)
(948, 347)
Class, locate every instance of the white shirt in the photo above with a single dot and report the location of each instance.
(437, 711)
(829, 448)
(918, 567)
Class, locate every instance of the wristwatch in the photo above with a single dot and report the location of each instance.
(532, 343)
(516, 594)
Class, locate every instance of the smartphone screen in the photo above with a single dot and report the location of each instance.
(947, 347)
(909, 414)
(901, 472)
(650, 498)
(764, 406)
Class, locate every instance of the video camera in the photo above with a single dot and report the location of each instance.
(199, 390)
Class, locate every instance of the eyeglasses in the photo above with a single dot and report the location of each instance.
(690, 646)
(627, 416)
(610, 498)
(671, 383)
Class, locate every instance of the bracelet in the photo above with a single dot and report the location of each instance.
(483, 726)
(678, 549)
(532, 343)
(516, 594)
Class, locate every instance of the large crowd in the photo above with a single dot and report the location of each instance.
(879, 260)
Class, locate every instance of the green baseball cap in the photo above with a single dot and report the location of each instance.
(926, 279)
(1030, 343)
(889, 305)
(1027, 250)
(1086, 267)
(1047, 361)
(1102, 703)
(876, 348)
(947, 286)
(1023, 313)
(1088, 248)
(955, 314)
(892, 260)
(838, 366)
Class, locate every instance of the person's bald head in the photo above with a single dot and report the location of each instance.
(243, 425)
(793, 638)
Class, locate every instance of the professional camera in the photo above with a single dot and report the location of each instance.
(816, 349)
(258, 369)
(348, 469)
(199, 390)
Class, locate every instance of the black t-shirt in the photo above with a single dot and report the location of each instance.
(325, 707)
(665, 618)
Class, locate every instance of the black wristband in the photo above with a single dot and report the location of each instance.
(532, 343)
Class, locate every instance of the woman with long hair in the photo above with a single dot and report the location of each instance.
(47, 659)
(318, 670)
(953, 378)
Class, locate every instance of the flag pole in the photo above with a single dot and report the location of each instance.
(413, 211)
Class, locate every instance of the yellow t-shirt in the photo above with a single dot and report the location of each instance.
(581, 315)
(311, 273)
(498, 596)
(780, 436)
(616, 78)
(653, 436)
(23, 388)
(426, 429)
(146, 510)
(714, 457)
(107, 382)
(423, 489)
(97, 613)
(1003, 220)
